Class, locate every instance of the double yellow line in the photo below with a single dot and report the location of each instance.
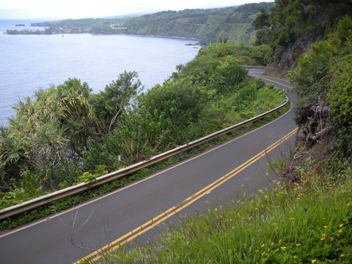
(94, 256)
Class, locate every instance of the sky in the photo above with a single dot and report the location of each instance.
(58, 9)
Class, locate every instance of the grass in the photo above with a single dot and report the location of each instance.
(65, 203)
(309, 222)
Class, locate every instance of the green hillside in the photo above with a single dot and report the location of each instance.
(230, 23)
(292, 26)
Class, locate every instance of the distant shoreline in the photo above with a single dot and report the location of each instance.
(199, 41)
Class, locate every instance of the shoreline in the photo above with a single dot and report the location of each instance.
(200, 42)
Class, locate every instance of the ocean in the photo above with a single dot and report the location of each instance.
(31, 62)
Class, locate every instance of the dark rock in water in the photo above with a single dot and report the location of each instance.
(193, 44)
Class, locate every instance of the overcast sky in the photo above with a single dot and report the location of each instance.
(100, 8)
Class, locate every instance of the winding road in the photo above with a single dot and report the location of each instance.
(136, 213)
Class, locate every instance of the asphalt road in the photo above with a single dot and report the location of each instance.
(75, 233)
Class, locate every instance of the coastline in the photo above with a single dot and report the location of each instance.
(200, 42)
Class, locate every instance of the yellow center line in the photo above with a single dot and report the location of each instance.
(94, 256)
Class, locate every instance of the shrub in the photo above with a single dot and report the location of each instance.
(340, 99)
(344, 28)
(227, 75)
(311, 67)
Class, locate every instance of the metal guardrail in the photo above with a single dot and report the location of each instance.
(81, 187)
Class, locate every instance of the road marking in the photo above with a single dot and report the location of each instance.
(122, 240)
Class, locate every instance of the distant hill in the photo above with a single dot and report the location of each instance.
(232, 23)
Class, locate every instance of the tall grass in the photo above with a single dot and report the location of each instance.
(301, 224)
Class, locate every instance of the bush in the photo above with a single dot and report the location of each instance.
(29, 187)
(262, 54)
(344, 28)
(91, 177)
(312, 67)
(340, 99)
(227, 75)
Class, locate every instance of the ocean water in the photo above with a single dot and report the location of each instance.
(30, 62)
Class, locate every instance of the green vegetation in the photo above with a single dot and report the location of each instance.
(312, 40)
(67, 134)
(232, 23)
(323, 75)
(309, 222)
(292, 25)
(46, 31)
(207, 25)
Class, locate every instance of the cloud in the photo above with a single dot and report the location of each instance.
(100, 8)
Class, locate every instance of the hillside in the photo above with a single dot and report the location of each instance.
(292, 26)
(313, 40)
(231, 23)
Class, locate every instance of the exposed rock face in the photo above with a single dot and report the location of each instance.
(314, 121)
(286, 57)
(314, 139)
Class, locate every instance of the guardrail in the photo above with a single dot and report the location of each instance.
(81, 187)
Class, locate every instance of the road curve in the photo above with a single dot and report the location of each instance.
(76, 233)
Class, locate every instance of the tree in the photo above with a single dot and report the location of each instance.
(227, 75)
(261, 20)
(49, 132)
(117, 96)
(340, 99)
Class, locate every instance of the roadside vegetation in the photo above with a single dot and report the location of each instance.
(66, 134)
(313, 40)
(292, 26)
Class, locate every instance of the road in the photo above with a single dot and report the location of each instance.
(223, 174)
